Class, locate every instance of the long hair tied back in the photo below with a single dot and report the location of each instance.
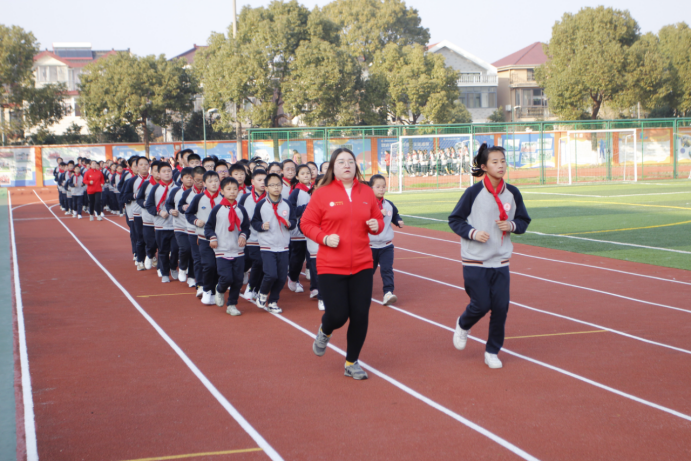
(482, 159)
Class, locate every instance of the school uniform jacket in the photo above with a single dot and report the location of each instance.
(116, 179)
(200, 208)
(137, 184)
(330, 211)
(299, 199)
(390, 215)
(158, 193)
(248, 202)
(77, 185)
(66, 183)
(97, 177)
(142, 195)
(216, 228)
(174, 196)
(286, 189)
(476, 211)
(278, 236)
(125, 176)
(186, 199)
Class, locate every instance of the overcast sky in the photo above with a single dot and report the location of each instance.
(487, 29)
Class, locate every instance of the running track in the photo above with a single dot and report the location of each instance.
(597, 362)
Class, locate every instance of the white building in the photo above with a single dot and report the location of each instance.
(64, 65)
(477, 79)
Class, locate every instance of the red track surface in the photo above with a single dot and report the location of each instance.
(106, 386)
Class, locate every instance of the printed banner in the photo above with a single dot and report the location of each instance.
(384, 154)
(295, 150)
(157, 151)
(50, 157)
(17, 166)
(524, 150)
(222, 150)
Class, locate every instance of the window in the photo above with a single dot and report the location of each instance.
(52, 74)
(529, 75)
(533, 97)
(475, 97)
(77, 110)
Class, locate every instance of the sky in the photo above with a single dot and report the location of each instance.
(490, 30)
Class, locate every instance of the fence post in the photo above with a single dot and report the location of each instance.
(675, 149)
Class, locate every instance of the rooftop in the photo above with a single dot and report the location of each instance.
(532, 55)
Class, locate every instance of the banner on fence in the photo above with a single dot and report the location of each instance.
(524, 150)
(50, 155)
(17, 166)
(156, 151)
(222, 150)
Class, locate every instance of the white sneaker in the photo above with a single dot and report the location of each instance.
(389, 299)
(218, 298)
(248, 293)
(147, 261)
(191, 283)
(246, 277)
(140, 266)
(207, 298)
(262, 301)
(174, 274)
(314, 293)
(273, 308)
(460, 337)
(295, 286)
(154, 261)
(320, 304)
(158, 272)
(91, 218)
(307, 275)
(182, 276)
(79, 216)
(165, 279)
(232, 310)
(200, 292)
(67, 213)
(492, 361)
(99, 218)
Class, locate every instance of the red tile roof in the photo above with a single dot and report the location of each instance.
(532, 55)
(189, 55)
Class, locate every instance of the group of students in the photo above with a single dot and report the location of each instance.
(440, 162)
(218, 227)
(74, 180)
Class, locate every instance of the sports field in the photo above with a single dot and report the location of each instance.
(646, 222)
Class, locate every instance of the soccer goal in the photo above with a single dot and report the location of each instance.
(597, 155)
(425, 162)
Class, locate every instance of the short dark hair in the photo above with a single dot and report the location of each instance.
(164, 165)
(70, 162)
(193, 156)
(210, 174)
(155, 164)
(220, 163)
(208, 159)
(376, 177)
(288, 160)
(270, 176)
(198, 170)
(269, 167)
(142, 158)
(62, 164)
(237, 167)
(187, 171)
(258, 171)
(229, 180)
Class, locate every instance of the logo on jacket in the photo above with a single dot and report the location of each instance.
(331, 203)
(204, 207)
(507, 206)
(284, 213)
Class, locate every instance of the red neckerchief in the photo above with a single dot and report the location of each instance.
(495, 192)
(211, 197)
(303, 187)
(380, 203)
(180, 168)
(242, 189)
(61, 170)
(184, 188)
(288, 183)
(129, 171)
(195, 190)
(276, 213)
(232, 215)
(144, 179)
(165, 194)
(152, 181)
(257, 198)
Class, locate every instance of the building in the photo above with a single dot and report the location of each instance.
(521, 98)
(64, 65)
(477, 79)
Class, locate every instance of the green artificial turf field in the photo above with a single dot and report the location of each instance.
(653, 214)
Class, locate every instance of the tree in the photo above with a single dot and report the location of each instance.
(33, 107)
(194, 129)
(367, 26)
(498, 116)
(587, 62)
(418, 85)
(124, 89)
(674, 46)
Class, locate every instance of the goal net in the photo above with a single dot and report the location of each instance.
(427, 162)
(598, 155)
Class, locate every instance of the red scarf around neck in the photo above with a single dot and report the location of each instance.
(211, 197)
(275, 206)
(152, 180)
(195, 190)
(233, 218)
(144, 179)
(302, 186)
(257, 198)
(495, 192)
(380, 203)
(165, 194)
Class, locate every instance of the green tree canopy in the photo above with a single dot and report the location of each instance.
(674, 46)
(124, 89)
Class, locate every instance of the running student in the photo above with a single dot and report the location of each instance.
(128, 196)
(299, 198)
(312, 248)
(58, 173)
(486, 215)
(341, 214)
(163, 224)
(249, 201)
(94, 180)
(148, 219)
(185, 263)
(227, 230)
(125, 202)
(273, 219)
(195, 276)
(64, 182)
(198, 215)
(78, 188)
(381, 244)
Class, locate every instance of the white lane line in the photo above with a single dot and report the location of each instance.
(27, 396)
(470, 424)
(547, 259)
(554, 368)
(235, 414)
(34, 203)
(557, 282)
(607, 196)
(601, 327)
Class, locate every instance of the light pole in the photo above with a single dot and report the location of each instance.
(238, 126)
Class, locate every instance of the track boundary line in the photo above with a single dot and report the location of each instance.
(559, 283)
(556, 260)
(607, 196)
(573, 237)
(27, 395)
(583, 322)
(232, 411)
(551, 367)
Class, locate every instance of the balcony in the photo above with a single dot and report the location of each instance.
(532, 112)
(519, 79)
(477, 80)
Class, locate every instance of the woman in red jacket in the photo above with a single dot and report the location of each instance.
(94, 181)
(341, 213)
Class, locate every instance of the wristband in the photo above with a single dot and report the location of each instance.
(325, 241)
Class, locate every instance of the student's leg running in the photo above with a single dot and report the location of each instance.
(149, 240)
(163, 239)
(196, 260)
(256, 274)
(133, 235)
(270, 270)
(237, 271)
(174, 251)
(224, 267)
(281, 274)
(141, 246)
(98, 207)
(184, 254)
(208, 261)
(297, 249)
(314, 284)
(477, 285)
(79, 203)
(499, 305)
(386, 260)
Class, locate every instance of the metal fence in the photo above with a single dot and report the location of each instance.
(535, 150)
